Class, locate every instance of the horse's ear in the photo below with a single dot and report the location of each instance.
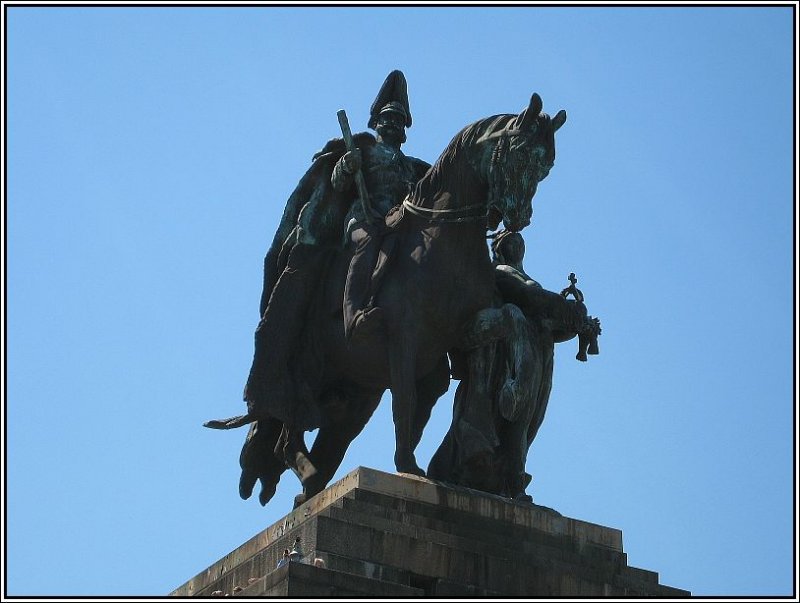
(528, 117)
(559, 119)
(535, 105)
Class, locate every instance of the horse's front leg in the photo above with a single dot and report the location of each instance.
(430, 388)
(402, 361)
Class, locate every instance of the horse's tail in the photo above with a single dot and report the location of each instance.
(231, 423)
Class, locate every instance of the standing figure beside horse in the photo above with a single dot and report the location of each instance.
(439, 277)
(506, 376)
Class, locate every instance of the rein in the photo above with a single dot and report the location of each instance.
(467, 213)
(447, 215)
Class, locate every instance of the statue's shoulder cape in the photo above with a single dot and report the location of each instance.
(315, 182)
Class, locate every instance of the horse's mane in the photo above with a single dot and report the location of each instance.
(444, 175)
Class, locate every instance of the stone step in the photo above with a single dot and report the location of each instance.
(238, 568)
(481, 541)
(303, 580)
(396, 535)
(427, 517)
(346, 534)
(361, 567)
(279, 583)
(356, 519)
(424, 497)
(354, 512)
(640, 575)
(446, 588)
(444, 512)
(630, 586)
(457, 502)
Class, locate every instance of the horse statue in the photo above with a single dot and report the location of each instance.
(439, 277)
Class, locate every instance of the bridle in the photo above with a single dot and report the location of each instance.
(468, 213)
(447, 216)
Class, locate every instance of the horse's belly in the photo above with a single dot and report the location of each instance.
(429, 297)
(367, 364)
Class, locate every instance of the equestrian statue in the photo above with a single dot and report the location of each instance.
(378, 266)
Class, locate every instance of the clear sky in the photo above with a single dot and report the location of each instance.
(150, 153)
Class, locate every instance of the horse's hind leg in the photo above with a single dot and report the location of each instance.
(429, 389)
(258, 460)
(292, 449)
(345, 417)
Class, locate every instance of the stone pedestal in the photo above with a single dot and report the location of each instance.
(382, 534)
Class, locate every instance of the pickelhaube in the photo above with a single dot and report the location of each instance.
(393, 96)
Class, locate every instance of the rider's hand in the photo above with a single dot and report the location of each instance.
(351, 161)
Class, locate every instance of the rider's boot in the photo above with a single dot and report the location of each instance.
(361, 319)
(269, 390)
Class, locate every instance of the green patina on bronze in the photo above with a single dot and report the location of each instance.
(379, 277)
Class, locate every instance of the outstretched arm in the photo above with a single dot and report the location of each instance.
(564, 318)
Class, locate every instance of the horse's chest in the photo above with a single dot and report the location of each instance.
(451, 290)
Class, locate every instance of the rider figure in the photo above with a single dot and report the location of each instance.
(389, 175)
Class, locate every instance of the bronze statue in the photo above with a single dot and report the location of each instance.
(439, 276)
(507, 376)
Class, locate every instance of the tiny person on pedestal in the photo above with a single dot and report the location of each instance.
(285, 559)
(296, 554)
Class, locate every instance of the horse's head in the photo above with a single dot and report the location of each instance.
(523, 153)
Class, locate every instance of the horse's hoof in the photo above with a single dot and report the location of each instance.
(406, 463)
(267, 491)
(247, 482)
(412, 469)
(300, 499)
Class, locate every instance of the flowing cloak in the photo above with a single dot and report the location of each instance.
(311, 211)
(315, 212)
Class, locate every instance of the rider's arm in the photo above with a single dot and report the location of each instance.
(342, 176)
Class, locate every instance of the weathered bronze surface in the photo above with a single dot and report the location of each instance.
(378, 276)
(508, 374)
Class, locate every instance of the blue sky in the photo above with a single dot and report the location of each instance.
(151, 150)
